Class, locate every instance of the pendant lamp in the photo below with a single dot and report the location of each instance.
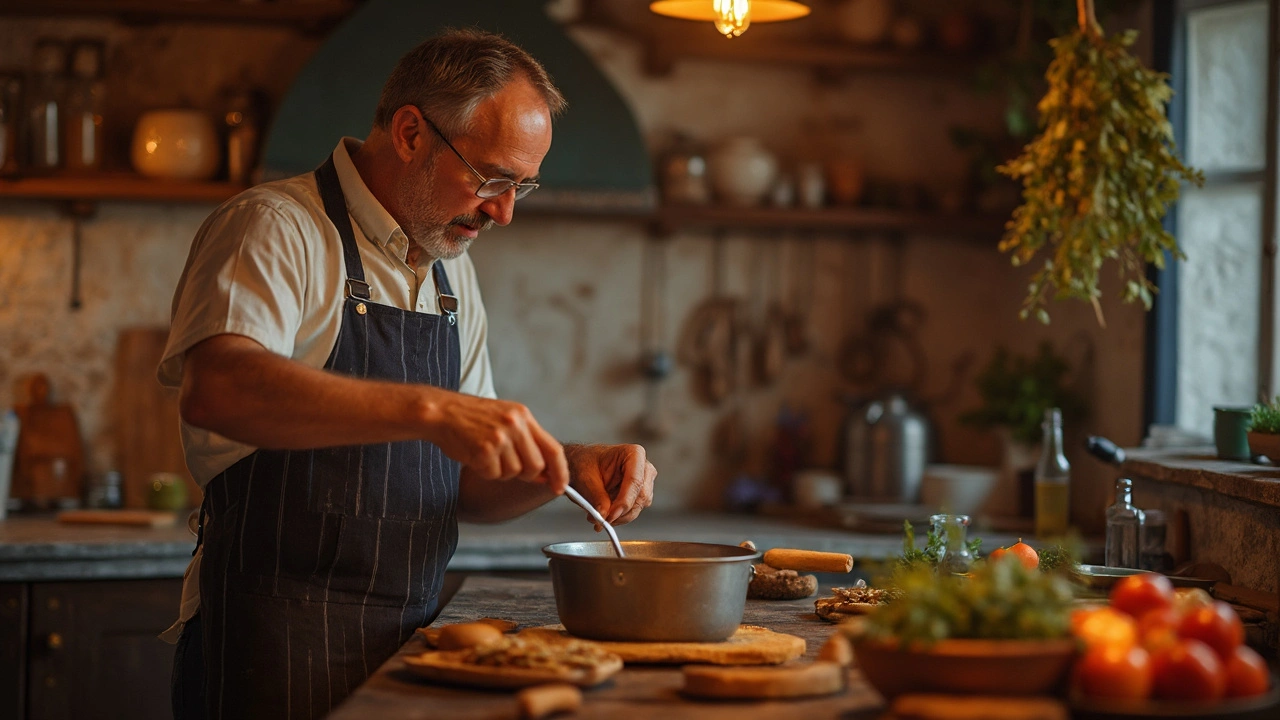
(732, 17)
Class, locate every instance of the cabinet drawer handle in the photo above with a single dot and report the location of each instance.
(55, 641)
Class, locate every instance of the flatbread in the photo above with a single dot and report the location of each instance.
(801, 680)
(749, 645)
(432, 634)
(516, 662)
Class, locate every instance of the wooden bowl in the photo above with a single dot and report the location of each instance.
(970, 667)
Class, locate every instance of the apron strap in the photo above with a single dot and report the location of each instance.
(335, 206)
(449, 305)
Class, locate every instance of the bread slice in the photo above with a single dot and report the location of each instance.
(786, 681)
(432, 634)
(517, 662)
(770, 583)
(749, 645)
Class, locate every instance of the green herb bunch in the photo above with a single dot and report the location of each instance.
(1016, 390)
(1057, 558)
(997, 600)
(1265, 417)
(913, 557)
(1099, 177)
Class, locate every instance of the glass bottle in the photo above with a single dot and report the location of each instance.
(1124, 528)
(1053, 475)
(243, 121)
(955, 556)
(1152, 556)
(10, 110)
(44, 105)
(83, 122)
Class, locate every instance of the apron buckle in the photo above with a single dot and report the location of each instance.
(449, 308)
(358, 289)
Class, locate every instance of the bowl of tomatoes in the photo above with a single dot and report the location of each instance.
(1152, 651)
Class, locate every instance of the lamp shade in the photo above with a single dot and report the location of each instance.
(761, 10)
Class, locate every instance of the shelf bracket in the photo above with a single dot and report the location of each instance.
(79, 211)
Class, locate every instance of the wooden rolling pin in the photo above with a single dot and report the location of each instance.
(808, 560)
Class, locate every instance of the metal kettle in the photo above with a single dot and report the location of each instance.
(886, 447)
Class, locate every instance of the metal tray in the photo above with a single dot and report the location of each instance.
(1101, 577)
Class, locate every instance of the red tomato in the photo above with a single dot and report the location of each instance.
(1027, 554)
(1139, 594)
(1103, 626)
(1216, 625)
(1188, 670)
(1114, 671)
(1247, 673)
(1159, 628)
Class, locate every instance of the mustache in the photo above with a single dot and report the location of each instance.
(481, 221)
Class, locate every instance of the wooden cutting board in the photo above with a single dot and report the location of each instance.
(49, 459)
(750, 645)
(136, 518)
(145, 417)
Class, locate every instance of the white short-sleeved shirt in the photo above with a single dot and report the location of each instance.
(267, 264)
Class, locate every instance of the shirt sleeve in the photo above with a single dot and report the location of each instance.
(245, 275)
(477, 373)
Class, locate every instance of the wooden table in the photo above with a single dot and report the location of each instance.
(636, 693)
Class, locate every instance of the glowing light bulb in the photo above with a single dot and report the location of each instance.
(733, 17)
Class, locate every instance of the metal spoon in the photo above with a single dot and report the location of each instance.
(582, 503)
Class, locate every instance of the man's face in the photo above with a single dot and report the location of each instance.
(510, 134)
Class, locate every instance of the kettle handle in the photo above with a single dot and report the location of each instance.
(1104, 449)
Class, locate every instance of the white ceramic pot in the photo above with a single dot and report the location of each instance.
(176, 145)
(742, 171)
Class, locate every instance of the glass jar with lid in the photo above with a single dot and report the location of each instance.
(45, 100)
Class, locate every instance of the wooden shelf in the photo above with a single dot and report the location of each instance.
(831, 58)
(308, 14)
(121, 186)
(676, 217)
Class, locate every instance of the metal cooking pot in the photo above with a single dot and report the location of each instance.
(659, 592)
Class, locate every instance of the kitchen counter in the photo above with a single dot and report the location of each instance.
(636, 693)
(36, 548)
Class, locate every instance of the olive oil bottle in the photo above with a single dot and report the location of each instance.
(1053, 476)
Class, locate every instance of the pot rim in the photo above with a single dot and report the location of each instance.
(556, 551)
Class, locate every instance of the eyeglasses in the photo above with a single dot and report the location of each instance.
(489, 187)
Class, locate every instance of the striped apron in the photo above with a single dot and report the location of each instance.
(319, 564)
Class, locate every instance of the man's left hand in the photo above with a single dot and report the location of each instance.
(616, 479)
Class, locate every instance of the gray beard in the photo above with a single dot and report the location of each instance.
(424, 223)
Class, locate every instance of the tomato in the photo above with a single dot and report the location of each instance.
(1026, 554)
(1104, 626)
(1138, 594)
(1158, 628)
(1114, 671)
(1188, 599)
(997, 554)
(1188, 670)
(1247, 673)
(1216, 625)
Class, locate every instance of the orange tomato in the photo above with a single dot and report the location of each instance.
(1026, 554)
(1188, 670)
(1139, 594)
(1216, 625)
(997, 554)
(1104, 626)
(1247, 673)
(1114, 671)
(1187, 599)
(1158, 628)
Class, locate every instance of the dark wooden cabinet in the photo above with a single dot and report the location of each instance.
(86, 649)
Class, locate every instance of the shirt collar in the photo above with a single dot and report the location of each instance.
(374, 220)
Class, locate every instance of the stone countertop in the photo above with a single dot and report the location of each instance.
(636, 693)
(1200, 467)
(38, 548)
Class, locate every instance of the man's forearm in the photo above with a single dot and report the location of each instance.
(265, 400)
(492, 501)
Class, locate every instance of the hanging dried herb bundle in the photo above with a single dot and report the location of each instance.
(1100, 176)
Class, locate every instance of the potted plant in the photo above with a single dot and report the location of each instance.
(1264, 430)
(1016, 390)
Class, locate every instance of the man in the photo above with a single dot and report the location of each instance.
(330, 346)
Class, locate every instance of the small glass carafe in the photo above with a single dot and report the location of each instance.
(954, 556)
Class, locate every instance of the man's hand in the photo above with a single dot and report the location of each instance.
(616, 479)
(499, 440)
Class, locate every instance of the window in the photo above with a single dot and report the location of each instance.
(1213, 336)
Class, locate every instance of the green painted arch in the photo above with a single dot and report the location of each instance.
(597, 149)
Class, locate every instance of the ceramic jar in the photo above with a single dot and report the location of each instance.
(742, 171)
(176, 145)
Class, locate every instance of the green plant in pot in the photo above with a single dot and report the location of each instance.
(1016, 390)
(1264, 430)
